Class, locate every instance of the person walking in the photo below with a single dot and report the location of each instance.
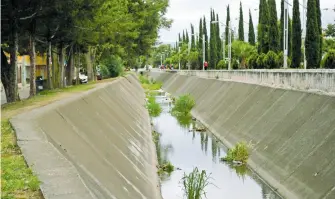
(205, 65)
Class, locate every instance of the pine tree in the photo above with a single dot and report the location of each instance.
(312, 36)
(192, 38)
(281, 26)
(273, 27)
(263, 30)
(296, 36)
(240, 25)
(206, 38)
(251, 34)
(218, 40)
(227, 25)
(318, 14)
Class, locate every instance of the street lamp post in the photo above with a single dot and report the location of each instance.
(203, 52)
(285, 32)
(179, 57)
(229, 49)
(229, 42)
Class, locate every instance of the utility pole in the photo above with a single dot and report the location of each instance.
(304, 31)
(285, 33)
(203, 52)
(229, 49)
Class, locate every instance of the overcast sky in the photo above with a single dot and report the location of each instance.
(185, 12)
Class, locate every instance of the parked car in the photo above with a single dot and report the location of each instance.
(82, 78)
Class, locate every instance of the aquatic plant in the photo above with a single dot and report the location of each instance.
(239, 153)
(153, 107)
(194, 184)
(149, 85)
(183, 105)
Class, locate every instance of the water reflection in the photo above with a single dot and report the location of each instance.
(190, 149)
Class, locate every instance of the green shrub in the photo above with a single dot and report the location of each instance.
(183, 105)
(222, 65)
(270, 60)
(194, 184)
(235, 64)
(114, 66)
(260, 61)
(280, 60)
(252, 61)
(238, 153)
(329, 60)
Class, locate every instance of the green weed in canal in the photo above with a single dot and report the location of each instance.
(153, 107)
(183, 105)
(239, 153)
(194, 184)
(149, 85)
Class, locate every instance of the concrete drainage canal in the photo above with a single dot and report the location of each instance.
(183, 144)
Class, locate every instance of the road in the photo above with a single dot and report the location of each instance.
(23, 92)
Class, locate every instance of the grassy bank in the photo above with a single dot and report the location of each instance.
(17, 179)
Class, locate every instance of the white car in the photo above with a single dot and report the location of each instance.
(82, 77)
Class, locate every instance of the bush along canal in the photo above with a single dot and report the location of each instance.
(193, 163)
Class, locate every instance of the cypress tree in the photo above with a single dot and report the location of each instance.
(227, 25)
(281, 26)
(212, 42)
(273, 26)
(251, 34)
(240, 25)
(296, 36)
(289, 45)
(312, 36)
(184, 38)
(318, 14)
(192, 38)
(200, 42)
(206, 38)
(187, 37)
(263, 30)
(218, 40)
(179, 37)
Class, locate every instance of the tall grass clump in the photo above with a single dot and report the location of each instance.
(153, 107)
(149, 85)
(194, 184)
(183, 105)
(238, 153)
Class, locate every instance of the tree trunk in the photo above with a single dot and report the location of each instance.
(89, 65)
(50, 85)
(69, 67)
(61, 64)
(77, 67)
(32, 55)
(9, 72)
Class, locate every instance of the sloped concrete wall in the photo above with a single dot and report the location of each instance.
(95, 145)
(292, 133)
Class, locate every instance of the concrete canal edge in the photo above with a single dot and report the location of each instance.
(292, 132)
(97, 144)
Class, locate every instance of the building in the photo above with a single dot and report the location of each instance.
(23, 70)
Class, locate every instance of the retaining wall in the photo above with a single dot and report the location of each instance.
(292, 132)
(93, 145)
(315, 80)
